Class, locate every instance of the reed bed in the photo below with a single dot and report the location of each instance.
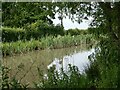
(50, 42)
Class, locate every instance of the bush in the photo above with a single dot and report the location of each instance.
(104, 70)
(44, 29)
(13, 83)
(35, 31)
(76, 32)
(12, 34)
(70, 79)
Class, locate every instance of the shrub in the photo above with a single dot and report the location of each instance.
(13, 83)
(70, 79)
(104, 70)
(35, 30)
(12, 34)
(45, 29)
(76, 32)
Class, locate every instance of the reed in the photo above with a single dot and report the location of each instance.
(50, 42)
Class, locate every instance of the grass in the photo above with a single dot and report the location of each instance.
(46, 42)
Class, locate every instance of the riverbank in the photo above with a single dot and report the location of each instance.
(51, 42)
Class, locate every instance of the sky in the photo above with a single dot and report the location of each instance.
(68, 24)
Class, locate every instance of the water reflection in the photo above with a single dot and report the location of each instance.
(79, 59)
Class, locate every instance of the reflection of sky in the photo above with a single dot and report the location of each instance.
(68, 24)
(79, 59)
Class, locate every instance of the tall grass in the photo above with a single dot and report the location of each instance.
(46, 42)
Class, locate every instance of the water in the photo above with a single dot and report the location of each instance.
(24, 66)
(79, 59)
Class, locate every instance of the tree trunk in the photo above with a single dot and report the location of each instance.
(61, 18)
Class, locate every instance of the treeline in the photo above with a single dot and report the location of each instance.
(15, 34)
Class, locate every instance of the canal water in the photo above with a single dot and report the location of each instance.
(25, 66)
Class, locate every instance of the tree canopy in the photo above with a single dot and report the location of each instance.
(22, 13)
(104, 14)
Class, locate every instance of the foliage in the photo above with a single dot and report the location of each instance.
(45, 42)
(12, 34)
(35, 31)
(45, 29)
(104, 72)
(76, 32)
(38, 30)
(70, 79)
(109, 61)
(104, 14)
(104, 69)
(13, 84)
(19, 14)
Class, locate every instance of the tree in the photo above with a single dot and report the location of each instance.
(18, 14)
(104, 14)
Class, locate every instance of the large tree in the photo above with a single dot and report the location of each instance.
(18, 14)
(104, 14)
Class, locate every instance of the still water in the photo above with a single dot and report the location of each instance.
(24, 66)
(79, 59)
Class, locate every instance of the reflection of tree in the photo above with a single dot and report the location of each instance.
(66, 62)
